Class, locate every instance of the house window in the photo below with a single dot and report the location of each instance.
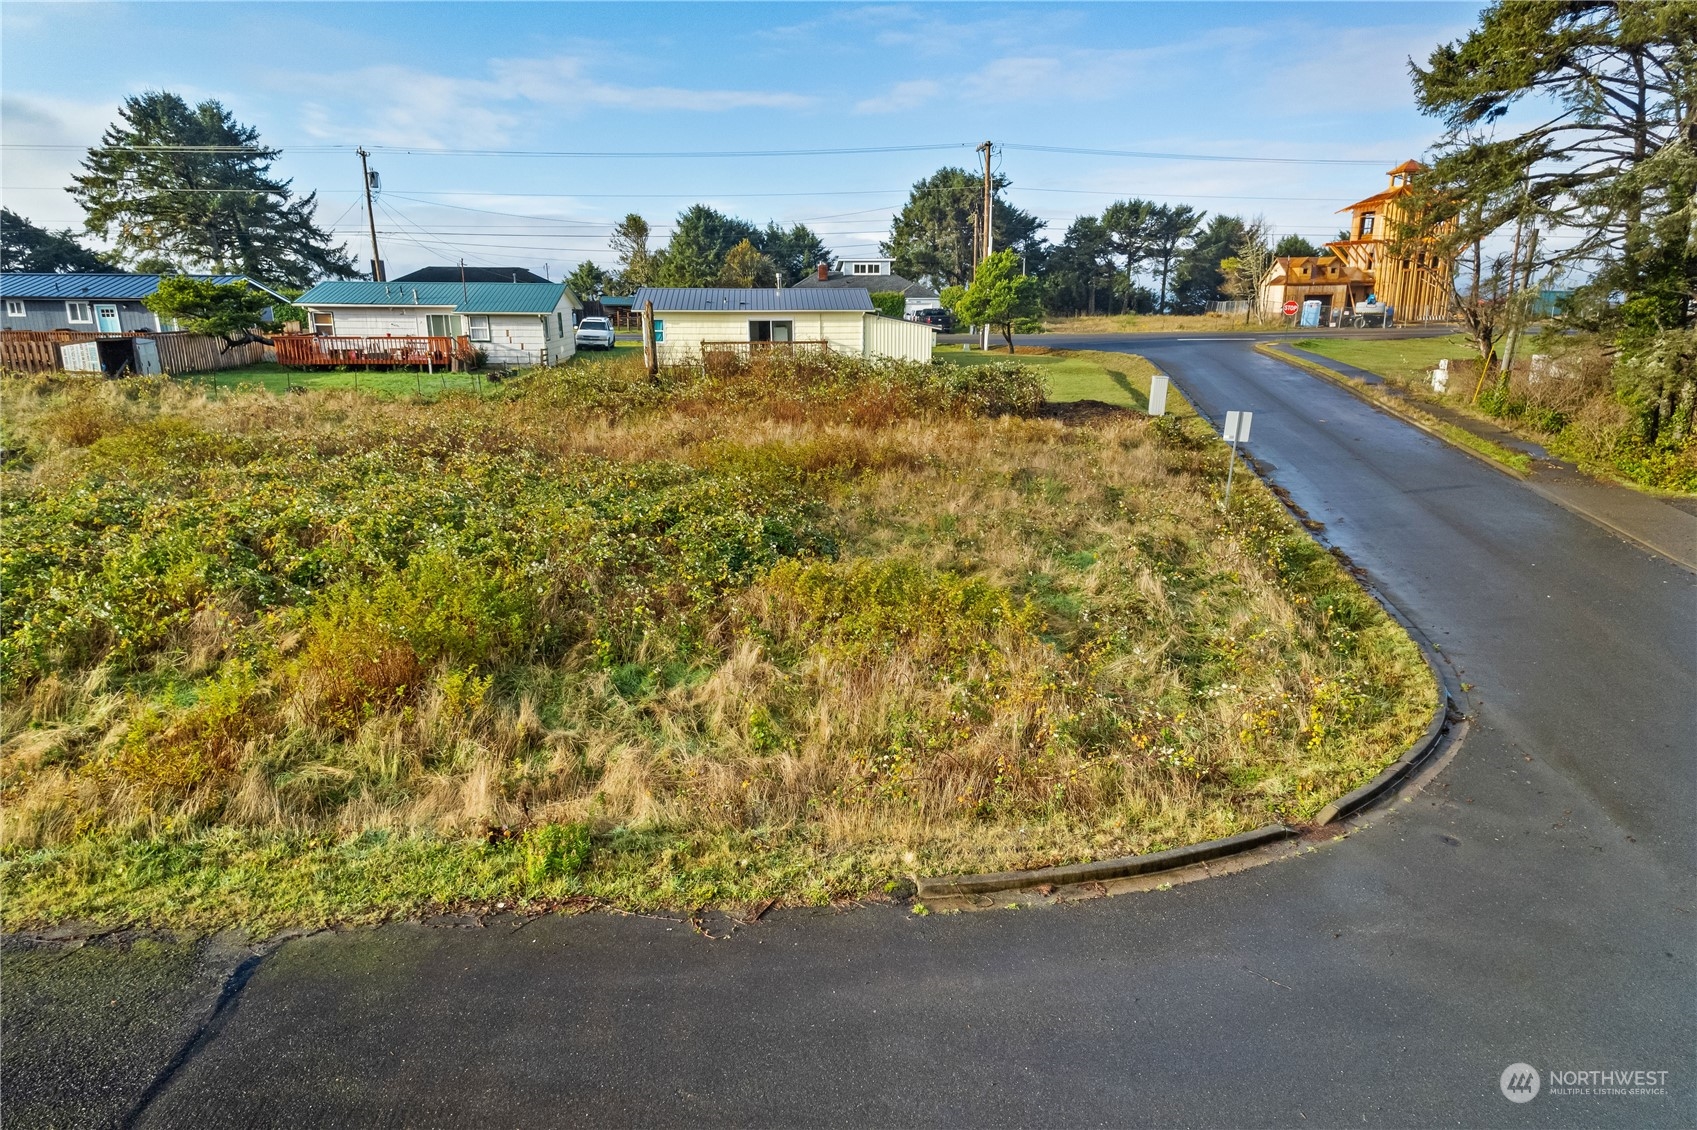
(14, 308)
(1367, 225)
(659, 331)
(323, 323)
(78, 312)
(442, 325)
(771, 331)
(477, 327)
(559, 324)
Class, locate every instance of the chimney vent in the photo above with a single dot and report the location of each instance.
(824, 272)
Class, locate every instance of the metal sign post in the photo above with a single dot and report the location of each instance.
(1158, 395)
(1236, 432)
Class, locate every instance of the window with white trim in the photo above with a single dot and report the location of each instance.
(15, 308)
(477, 327)
(324, 323)
(78, 312)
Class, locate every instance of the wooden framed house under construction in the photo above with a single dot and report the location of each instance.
(1366, 269)
(1416, 286)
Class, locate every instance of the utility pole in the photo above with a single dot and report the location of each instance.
(377, 273)
(988, 224)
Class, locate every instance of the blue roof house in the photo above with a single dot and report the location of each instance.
(693, 322)
(511, 323)
(96, 302)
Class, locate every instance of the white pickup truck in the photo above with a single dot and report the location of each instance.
(595, 333)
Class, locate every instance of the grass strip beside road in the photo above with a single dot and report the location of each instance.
(1073, 375)
(1515, 461)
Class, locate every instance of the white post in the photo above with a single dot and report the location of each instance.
(1158, 394)
(1236, 430)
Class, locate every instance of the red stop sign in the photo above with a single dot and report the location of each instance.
(1290, 308)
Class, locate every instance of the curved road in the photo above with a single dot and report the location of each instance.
(1535, 903)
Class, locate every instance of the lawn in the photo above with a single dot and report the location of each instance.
(1405, 361)
(1112, 378)
(791, 631)
(281, 378)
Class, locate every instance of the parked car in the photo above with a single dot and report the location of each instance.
(595, 333)
(936, 316)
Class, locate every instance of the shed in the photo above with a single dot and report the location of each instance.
(690, 322)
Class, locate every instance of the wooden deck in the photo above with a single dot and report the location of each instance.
(327, 351)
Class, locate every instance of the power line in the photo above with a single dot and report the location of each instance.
(1194, 156)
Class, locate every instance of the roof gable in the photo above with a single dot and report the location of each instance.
(98, 286)
(467, 298)
(724, 299)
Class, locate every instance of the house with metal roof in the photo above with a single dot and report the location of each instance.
(872, 275)
(693, 322)
(96, 302)
(509, 323)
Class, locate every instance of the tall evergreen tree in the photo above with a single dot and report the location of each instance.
(1294, 246)
(191, 187)
(1172, 227)
(1199, 277)
(935, 234)
(27, 247)
(794, 252)
(636, 261)
(1131, 225)
(699, 244)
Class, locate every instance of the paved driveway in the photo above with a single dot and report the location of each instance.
(1535, 903)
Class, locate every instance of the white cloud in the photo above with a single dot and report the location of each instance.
(405, 106)
(901, 96)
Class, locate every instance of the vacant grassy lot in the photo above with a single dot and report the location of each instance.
(783, 632)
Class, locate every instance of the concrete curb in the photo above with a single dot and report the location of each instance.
(1103, 869)
(1343, 381)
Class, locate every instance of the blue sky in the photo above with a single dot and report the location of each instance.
(415, 82)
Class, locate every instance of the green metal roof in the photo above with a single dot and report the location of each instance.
(470, 298)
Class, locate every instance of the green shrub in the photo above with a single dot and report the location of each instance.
(865, 609)
(889, 303)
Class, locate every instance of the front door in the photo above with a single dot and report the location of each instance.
(106, 318)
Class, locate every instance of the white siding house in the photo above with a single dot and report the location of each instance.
(838, 319)
(512, 323)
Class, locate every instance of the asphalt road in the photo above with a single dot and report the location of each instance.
(1536, 903)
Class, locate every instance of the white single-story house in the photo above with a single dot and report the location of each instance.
(690, 321)
(511, 323)
(873, 275)
(93, 303)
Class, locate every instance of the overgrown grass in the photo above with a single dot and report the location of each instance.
(1575, 416)
(785, 631)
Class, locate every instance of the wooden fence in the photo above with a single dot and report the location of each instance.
(37, 351)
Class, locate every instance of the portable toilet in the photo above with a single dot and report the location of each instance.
(1311, 312)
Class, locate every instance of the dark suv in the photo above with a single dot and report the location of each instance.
(936, 316)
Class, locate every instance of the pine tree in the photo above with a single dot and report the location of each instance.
(935, 235)
(27, 247)
(190, 187)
